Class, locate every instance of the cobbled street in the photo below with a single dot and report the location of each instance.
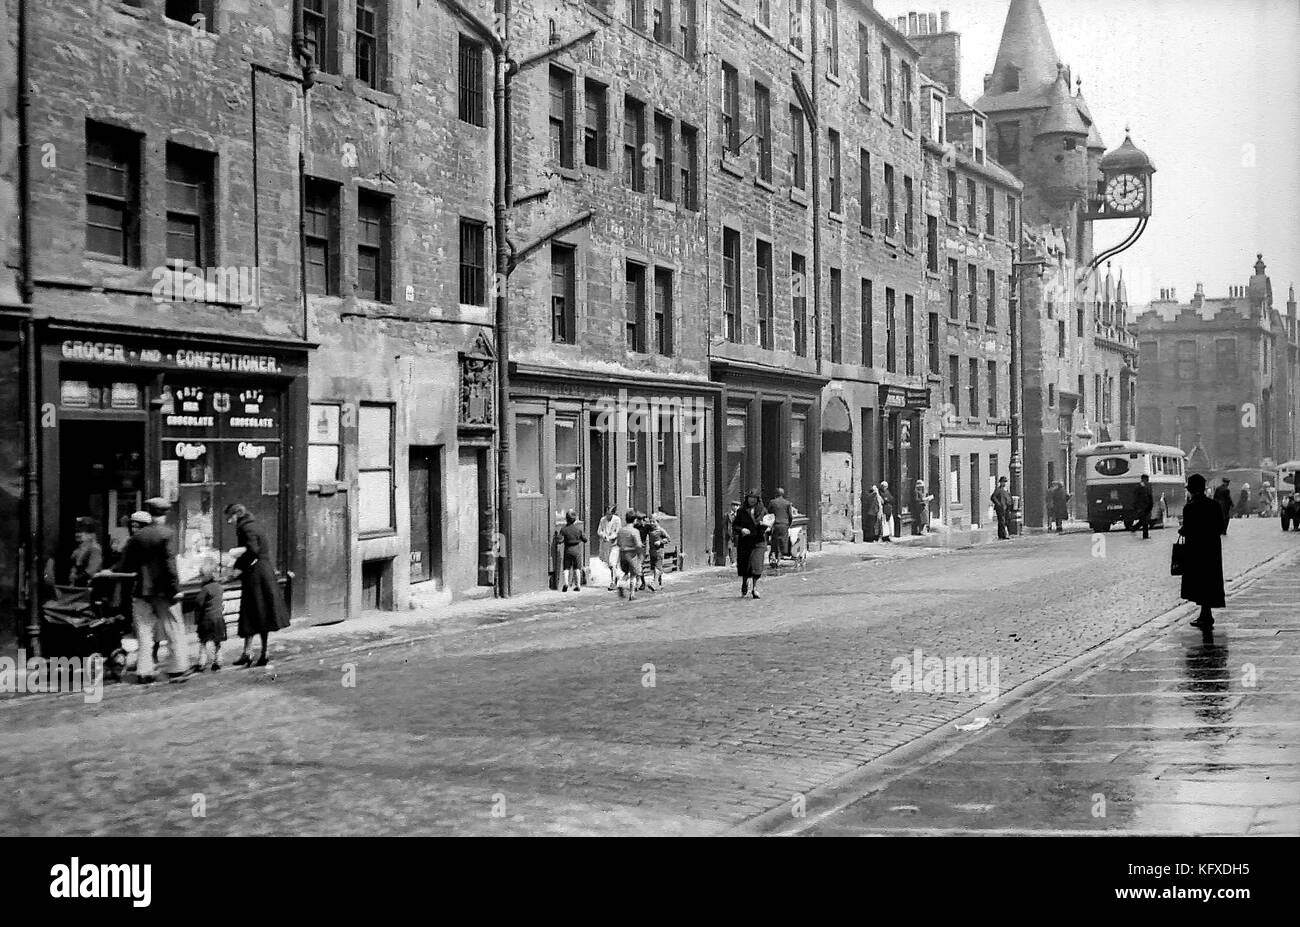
(685, 713)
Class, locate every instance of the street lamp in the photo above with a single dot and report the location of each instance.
(1018, 268)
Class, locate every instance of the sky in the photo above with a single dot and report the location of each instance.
(1211, 91)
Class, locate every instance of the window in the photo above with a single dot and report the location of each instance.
(633, 144)
(663, 157)
(972, 293)
(1225, 358)
(909, 318)
(954, 381)
(1083, 393)
(990, 212)
(763, 12)
(1226, 436)
(636, 14)
(798, 482)
(932, 342)
(731, 284)
(835, 175)
(837, 317)
(1098, 402)
(320, 26)
(868, 325)
(763, 278)
(952, 195)
(730, 111)
(832, 36)
(952, 289)
(368, 69)
(971, 205)
(887, 77)
(978, 139)
(661, 27)
(799, 303)
(954, 477)
(864, 184)
(993, 389)
(932, 244)
(798, 152)
(663, 321)
(687, 28)
(1051, 394)
(196, 13)
(470, 82)
(563, 294)
(374, 246)
(991, 301)
(890, 217)
(190, 232)
(527, 463)
(909, 217)
(1009, 145)
(568, 467)
(796, 24)
(1188, 425)
(473, 263)
(561, 118)
(322, 237)
(688, 165)
(974, 386)
(763, 130)
(936, 118)
(1079, 320)
(864, 63)
(905, 89)
(375, 469)
(1060, 338)
(891, 332)
(595, 132)
(634, 300)
(1186, 365)
(112, 194)
(324, 444)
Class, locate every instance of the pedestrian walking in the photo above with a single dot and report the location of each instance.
(88, 557)
(629, 546)
(887, 510)
(1243, 502)
(1223, 496)
(872, 515)
(1058, 505)
(920, 508)
(730, 542)
(750, 534)
(1202, 559)
(607, 532)
(656, 543)
(572, 536)
(150, 553)
(1144, 501)
(209, 618)
(261, 608)
(1002, 503)
(783, 510)
(1268, 500)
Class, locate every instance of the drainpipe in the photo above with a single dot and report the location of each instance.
(815, 121)
(31, 474)
(500, 199)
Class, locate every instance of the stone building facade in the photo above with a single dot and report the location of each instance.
(1219, 375)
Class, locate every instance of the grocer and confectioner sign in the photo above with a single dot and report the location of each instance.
(108, 352)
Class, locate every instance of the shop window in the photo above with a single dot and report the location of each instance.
(369, 35)
(568, 471)
(470, 82)
(693, 447)
(797, 484)
(737, 440)
(195, 13)
(528, 455)
(374, 246)
(375, 469)
(637, 468)
(595, 133)
(320, 26)
(561, 118)
(563, 294)
(324, 449)
(322, 237)
(666, 464)
(473, 263)
(112, 194)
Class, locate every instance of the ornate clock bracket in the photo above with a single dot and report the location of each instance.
(1109, 253)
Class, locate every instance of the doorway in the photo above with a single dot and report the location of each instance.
(425, 484)
(101, 475)
(474, 565)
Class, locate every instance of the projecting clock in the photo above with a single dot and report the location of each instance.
(1126, 193)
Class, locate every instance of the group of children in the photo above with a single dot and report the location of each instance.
(638, 540)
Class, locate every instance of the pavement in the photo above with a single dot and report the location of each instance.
(689, 711)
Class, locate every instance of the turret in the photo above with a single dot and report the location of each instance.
(1059, 153)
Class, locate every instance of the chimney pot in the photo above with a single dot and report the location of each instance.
(943, 21)
(912, 28)
(934, 22)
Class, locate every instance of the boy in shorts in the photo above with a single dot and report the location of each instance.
(629, 546)
(656, 541)
(572, 536)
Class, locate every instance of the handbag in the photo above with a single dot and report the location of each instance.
(1178, 557)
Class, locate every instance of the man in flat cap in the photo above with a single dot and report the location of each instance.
(150, 553)
(88, 558)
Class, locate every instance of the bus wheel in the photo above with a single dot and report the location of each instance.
(1099, 527)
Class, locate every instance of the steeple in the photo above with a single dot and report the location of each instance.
(1027, 61)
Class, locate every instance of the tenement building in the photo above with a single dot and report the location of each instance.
(972, 223)
(1079, 373)
(13, 315)
(1219, 375)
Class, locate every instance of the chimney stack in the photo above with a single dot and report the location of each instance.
(912, 28)
(934, 22)
(943, 21)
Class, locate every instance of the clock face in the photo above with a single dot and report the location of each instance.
(1126, 193)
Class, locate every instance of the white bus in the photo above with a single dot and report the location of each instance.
(1112, 472)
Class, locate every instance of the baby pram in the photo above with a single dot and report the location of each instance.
(798, 543)
(81, 622)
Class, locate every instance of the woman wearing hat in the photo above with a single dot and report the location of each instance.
(750, 534)
(261, 609)
(1202, 572)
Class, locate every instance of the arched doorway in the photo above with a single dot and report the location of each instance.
(837, 498)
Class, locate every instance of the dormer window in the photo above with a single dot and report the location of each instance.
(978, 139)
(936, 118)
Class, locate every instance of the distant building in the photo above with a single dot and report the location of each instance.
(1219, 375)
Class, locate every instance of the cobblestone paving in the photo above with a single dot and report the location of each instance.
(552, 726)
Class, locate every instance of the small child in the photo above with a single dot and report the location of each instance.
(209, 620)
(656, 541)
(572, 536)
(629, 545)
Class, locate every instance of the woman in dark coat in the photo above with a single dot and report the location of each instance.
(751, 548)
(1203, 558)
(261, 609)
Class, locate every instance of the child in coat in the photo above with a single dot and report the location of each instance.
(209, 618)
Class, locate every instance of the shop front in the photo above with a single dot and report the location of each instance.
(589, 443)
(201, 422)
(902, 411)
